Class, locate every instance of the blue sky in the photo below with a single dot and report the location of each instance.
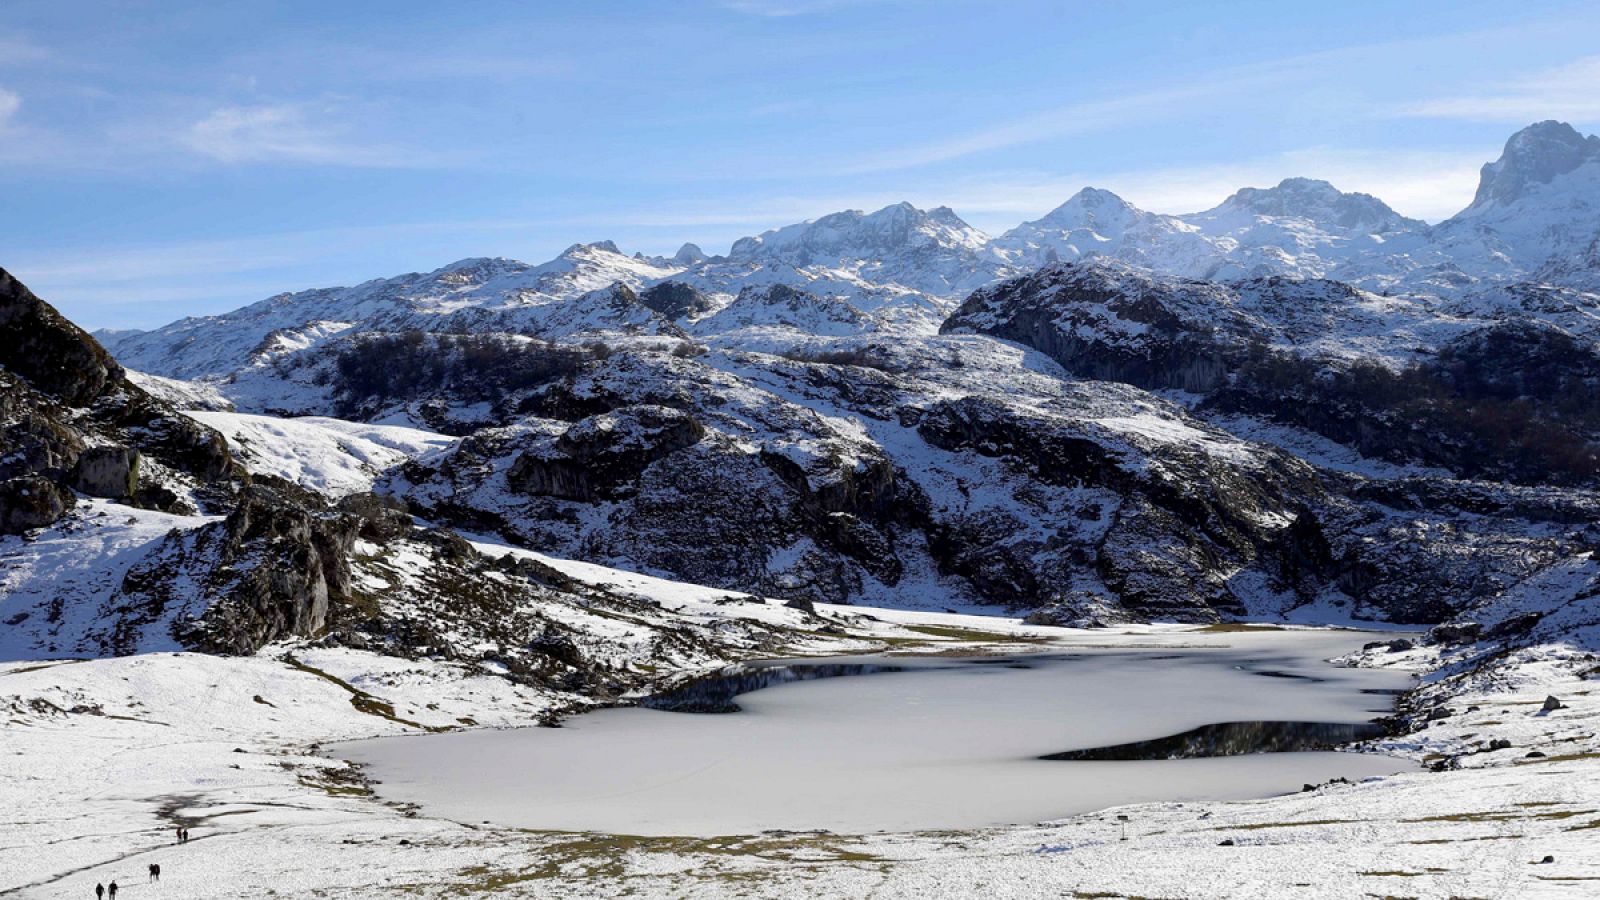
(160, 159)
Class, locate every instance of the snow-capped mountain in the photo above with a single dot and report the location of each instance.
(1098, 223)
(901, 270)
(930, 251)
(1537, 205)
(483, 294)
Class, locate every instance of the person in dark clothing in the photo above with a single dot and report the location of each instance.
(155, 871)
(113, 890)
(99, 891)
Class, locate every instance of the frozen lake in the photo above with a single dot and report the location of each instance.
(941, 743)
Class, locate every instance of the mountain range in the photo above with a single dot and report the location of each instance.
(900, 270)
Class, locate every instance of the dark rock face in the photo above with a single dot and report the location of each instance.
(1114, 324)
(68, 414)
(111, 472)
(51, 353)
(31, 501)
(383, 517)
(604, 454)
(274, 568)
(1173, 534)
(675, 300)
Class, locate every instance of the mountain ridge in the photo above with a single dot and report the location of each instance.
(1536, 214)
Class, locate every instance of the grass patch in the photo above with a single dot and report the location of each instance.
(1258, 826)
(336, 785)
(1562, 757)
(1235, 627)
(599, 856)
(952, 633)
(361, 700)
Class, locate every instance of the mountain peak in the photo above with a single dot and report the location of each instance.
(1089, 201)
(853, 234)
(607, 246)
(688, 255)
(1537, 154)
(1319, 201)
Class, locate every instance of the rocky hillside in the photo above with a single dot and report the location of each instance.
(827, 413)
(129, 527)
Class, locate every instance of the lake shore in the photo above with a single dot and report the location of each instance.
(233, 749)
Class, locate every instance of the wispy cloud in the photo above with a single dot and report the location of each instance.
(1064, 121)
(1570, 91)
(1169, 103)
(291, 132)
(17, 51)
(10, 102)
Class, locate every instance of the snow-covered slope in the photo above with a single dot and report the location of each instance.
(330, 456)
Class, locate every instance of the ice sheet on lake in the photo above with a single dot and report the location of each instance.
(944, 744)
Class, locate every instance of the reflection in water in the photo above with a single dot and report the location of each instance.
(1233, 739)
(715, 693)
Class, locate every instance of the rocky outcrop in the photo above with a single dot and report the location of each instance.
(278, 566)
(44, 348)
(383, 518)
(1112, 323)
(676, 300)
(602, 456)
(69, 415)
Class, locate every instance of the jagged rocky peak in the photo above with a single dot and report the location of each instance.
(853, 234)
(589, 248)
(71, 421)
(56, 356)
(1535, 155)
(1318, 201)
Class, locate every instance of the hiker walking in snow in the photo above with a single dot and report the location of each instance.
(99, 891)
(113, 890)
(155, 871)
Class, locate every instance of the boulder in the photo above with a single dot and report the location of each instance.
(277, 570)
(383, 517)
(110, 472)
(32, 501)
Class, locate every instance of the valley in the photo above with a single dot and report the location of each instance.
(389, 589)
